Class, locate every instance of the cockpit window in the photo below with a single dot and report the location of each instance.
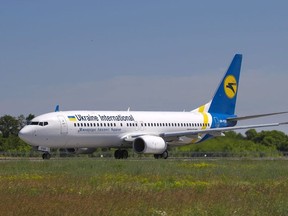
(34, 123)
(38, 123)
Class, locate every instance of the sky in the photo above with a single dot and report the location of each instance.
(146, 55)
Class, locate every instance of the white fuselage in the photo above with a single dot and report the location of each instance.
(92, 129)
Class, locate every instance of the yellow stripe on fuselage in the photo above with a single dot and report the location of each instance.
(205, 116)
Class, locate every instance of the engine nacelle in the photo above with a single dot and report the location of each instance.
(149, 144)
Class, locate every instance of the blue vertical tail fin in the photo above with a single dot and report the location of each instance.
(224, 100)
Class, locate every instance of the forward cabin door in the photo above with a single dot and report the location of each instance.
(63, 125)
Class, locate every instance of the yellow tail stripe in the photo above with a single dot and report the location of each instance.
(205, 116)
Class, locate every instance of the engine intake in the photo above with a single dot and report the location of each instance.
(149, 144)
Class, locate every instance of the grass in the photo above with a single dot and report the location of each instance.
(144, 187)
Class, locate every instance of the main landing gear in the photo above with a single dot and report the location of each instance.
(46, 156)
(121, 154)
(164, 155)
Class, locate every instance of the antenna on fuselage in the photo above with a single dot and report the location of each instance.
(57, 108)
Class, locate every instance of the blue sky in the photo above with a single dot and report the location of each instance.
(147, 55)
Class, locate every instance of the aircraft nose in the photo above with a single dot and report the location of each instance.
(26, 134)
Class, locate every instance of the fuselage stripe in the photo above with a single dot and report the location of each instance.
(205, 116)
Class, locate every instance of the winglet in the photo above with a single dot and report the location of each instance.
(57, 108)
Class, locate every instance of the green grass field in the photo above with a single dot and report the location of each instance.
(87, 186)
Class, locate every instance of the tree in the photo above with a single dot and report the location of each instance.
(251, 134)
(29, 117)
(22, 121)
(9, 125)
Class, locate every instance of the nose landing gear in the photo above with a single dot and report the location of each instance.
(46, 156)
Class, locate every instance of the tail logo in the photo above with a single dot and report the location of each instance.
(230, 86)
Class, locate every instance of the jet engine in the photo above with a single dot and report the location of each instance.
(149, 144)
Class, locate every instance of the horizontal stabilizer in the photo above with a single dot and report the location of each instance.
(253, 116)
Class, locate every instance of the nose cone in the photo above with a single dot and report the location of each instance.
(27, 134)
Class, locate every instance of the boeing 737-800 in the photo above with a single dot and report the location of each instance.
(145, 132)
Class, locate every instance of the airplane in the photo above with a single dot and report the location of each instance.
(145, 132)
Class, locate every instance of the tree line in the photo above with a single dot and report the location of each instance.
(9, 129)
(264, 141)
(267, 142)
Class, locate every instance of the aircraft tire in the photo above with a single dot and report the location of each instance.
(46, 156)
(117, 154)
(124, 154)
(157, 156)
(165, 155)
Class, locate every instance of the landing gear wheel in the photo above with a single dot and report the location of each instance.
(164, 155)
(121, 154)
(157, 156)
(46, 156)
(117, 154)
(124, 154)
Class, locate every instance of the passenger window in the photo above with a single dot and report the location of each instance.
(41, 123)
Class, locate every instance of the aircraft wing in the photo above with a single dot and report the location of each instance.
(216, 130)
(131, 137)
